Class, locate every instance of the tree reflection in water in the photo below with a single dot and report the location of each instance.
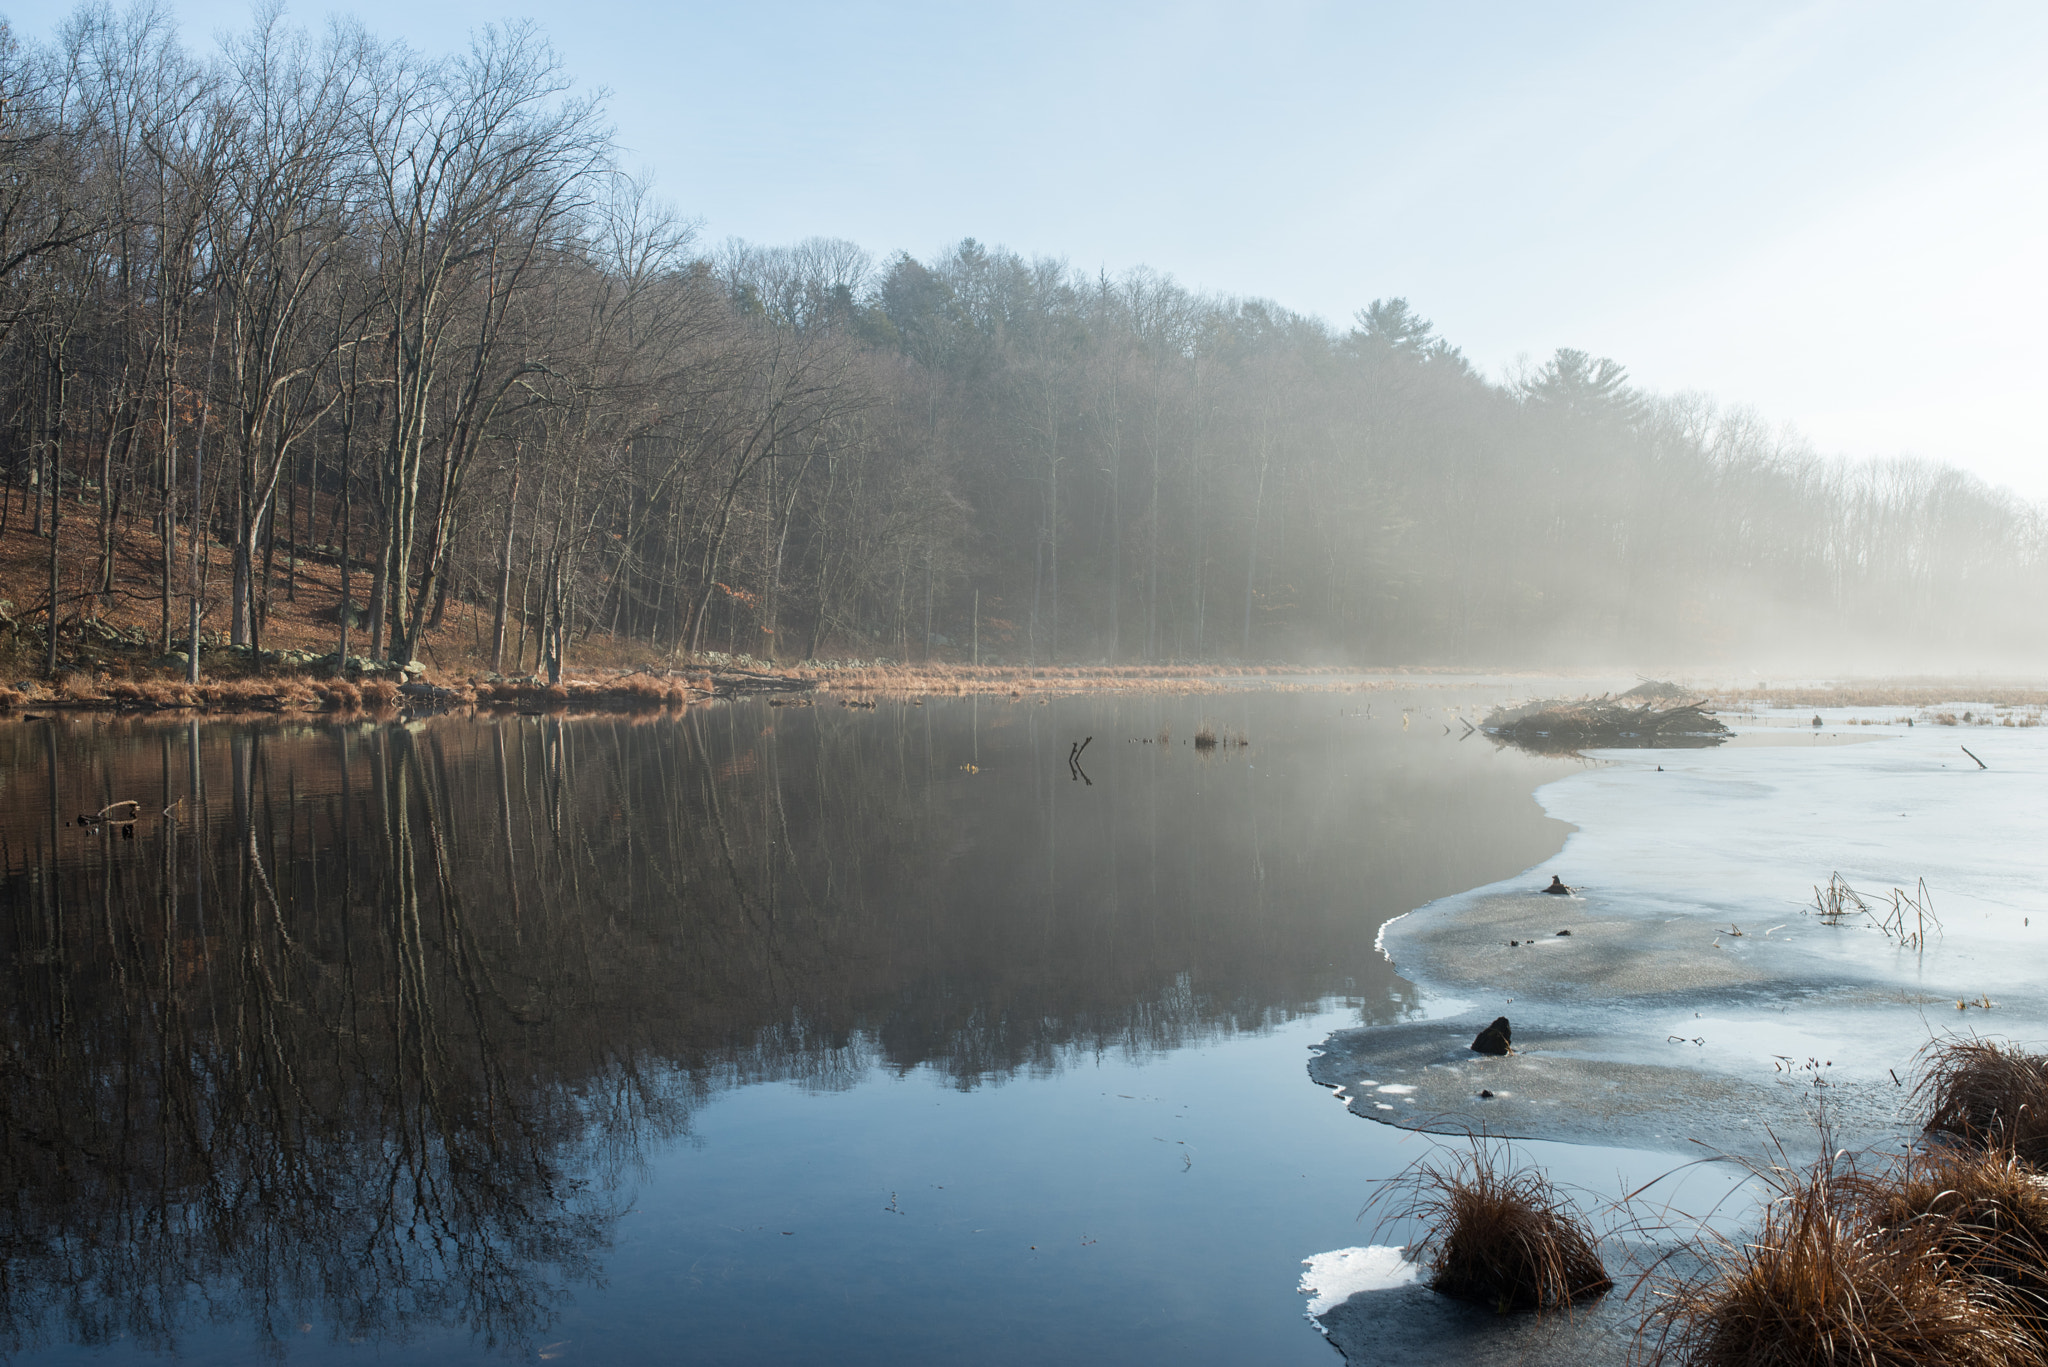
(374, 1029)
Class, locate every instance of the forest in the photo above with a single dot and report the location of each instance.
(321, 298)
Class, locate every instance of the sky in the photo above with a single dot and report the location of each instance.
(1835, 214)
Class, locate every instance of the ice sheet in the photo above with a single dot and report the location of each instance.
(1697, 996)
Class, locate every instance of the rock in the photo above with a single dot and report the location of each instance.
(1564, 932)
(414, 667)
(1497, 1038)
(1557, 887)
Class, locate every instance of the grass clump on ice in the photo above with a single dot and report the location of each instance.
(1836, 1277)
(1499, 1233)
(1986, 1214)
(1988, 1094)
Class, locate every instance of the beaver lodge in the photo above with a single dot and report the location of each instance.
(1625, 721)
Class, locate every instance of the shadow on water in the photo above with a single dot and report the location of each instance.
(376, 1026)
(1575, 746)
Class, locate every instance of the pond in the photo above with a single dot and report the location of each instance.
(750, 1034)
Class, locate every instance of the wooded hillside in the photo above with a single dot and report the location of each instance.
(310, 294)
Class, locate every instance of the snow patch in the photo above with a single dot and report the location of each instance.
(1335, 1277)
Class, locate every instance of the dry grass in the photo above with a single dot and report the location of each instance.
(377, 693)
(1987, 1094)
(1499, 1233)
(1987, 1214)
(1824, 1284)
(939, 677)
(339, 694)
(1916, 693)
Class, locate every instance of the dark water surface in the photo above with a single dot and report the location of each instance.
(753, 1035)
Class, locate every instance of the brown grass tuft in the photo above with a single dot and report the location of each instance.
(378, 693)
(1501, 1234)
(1987, 1094)
(340, 694)
(1823, 1284)
(1987, 1213)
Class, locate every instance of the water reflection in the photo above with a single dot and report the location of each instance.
(373, 1029)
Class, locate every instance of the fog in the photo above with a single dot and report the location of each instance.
(320, 292)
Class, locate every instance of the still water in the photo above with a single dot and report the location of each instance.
(756, 1034)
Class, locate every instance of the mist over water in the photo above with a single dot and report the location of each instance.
(385, 1031)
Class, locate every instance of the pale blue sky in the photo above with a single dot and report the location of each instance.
(1836, 213)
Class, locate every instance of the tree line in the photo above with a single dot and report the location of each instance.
(324, 299)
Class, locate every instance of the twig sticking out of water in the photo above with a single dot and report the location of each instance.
(1966, 750)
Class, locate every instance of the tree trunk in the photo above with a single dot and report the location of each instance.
(504, 575)
(56, 514)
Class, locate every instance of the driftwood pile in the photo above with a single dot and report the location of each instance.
(1569, 723)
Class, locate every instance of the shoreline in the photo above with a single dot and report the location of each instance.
(309, 687)
(1695, 999)
(1653, 1026)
